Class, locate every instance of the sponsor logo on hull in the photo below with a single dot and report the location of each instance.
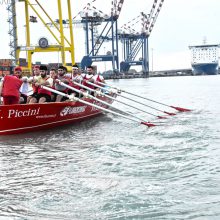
(72, 110)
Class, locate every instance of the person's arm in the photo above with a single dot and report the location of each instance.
(92, 80)
(102, 79)
(1, 89)
(24, 79)
(31, 79)
(1, 86)
(65, 80)
(49, 82)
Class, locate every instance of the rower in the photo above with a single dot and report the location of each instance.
(88, 76)
(76, 74)
(98, 78)
(62, 78)
(10, 87)
(53, 75)
(25, 90)
(76, 77)
(36, 70)
(32, 79)
(65, 71)
(43, 95)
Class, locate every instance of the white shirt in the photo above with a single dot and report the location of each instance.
(87, 76)
(96, 77)
(77, 78)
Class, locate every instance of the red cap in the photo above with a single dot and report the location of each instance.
(17, 68)
(36, 67)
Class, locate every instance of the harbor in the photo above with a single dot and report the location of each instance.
(110, 168)
(135, 74)
(109, 110)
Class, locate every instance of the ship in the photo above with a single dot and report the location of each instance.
(204, 59)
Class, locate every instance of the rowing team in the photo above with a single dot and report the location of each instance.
(15, 89)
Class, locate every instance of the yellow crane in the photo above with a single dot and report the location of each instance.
(63, 43)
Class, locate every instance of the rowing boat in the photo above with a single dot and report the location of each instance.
(23, 118)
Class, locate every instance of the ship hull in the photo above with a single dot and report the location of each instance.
(20, 118)
(205, 69)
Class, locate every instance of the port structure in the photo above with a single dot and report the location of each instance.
(62, 45)
(13, 44)
(100, 28)
(135, 42)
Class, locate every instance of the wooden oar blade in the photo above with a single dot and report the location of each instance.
(161, 117)
(181, 109)
(148, 124)
(169, 113)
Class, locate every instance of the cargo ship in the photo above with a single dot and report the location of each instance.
(205, 59)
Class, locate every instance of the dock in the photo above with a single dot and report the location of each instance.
(133, 74)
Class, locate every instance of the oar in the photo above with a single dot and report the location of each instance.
(72, 98)
(168, 113)
(180, 109)
(85, 94)
(112, 98)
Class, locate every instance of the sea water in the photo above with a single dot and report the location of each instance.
(113, 168)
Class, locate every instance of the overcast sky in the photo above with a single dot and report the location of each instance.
(180, 23)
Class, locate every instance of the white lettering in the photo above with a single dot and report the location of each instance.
(10, 113)
(72, 110)
(20, 114)
(25, 113)
(96, 59)
(15, 113)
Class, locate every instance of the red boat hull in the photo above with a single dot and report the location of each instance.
(20, 118)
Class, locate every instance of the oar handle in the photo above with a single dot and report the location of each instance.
(83, 86)
(93, 84)
(56, 91)
(104, 84)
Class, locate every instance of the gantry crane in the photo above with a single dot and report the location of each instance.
(92, 18)
(63, 44)
(134, 42)
(13, 44)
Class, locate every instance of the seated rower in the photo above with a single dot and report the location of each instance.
(64, 79)
(66, 73)
(10, 87)
(43, 95)
(53, 75)
(25, 90)
(76, 77)
(88, 77)
(98, 78)
(36, 75)
(76, 74)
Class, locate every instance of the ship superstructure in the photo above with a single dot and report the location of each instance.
(204, 59)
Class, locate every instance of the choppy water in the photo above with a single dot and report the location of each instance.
(113, 168)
